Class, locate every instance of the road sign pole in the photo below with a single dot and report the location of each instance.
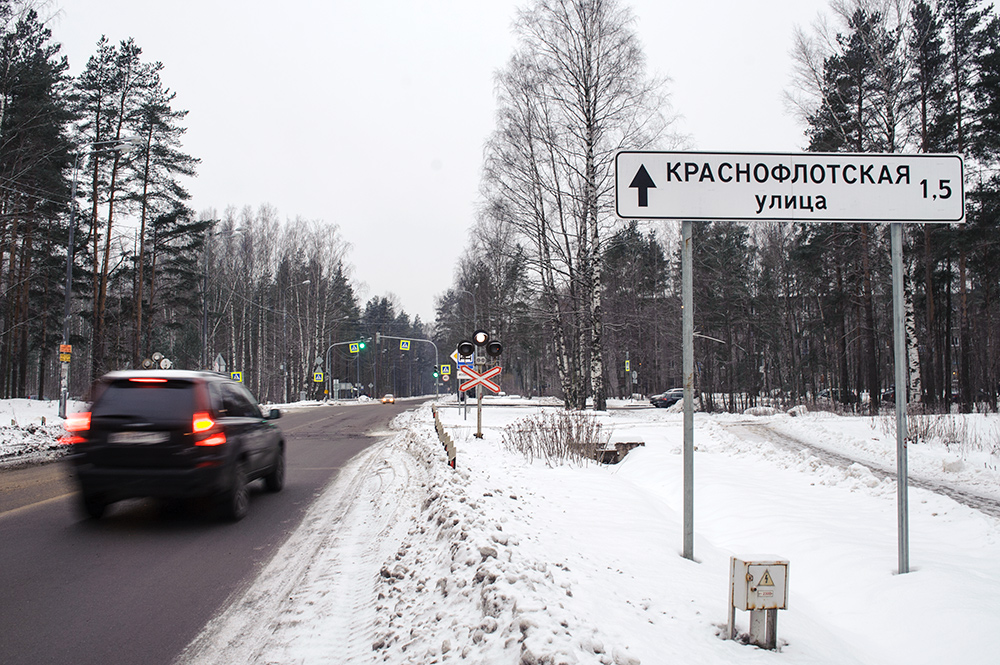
(808, 187)
(687, 342)
(479, 398)
(899, 346)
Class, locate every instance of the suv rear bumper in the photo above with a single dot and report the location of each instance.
(115, 483)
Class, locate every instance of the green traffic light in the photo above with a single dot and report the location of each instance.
(361, 345)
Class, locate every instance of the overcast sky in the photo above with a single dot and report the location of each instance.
(372, 114)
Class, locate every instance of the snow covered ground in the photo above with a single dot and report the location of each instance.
(502, 560)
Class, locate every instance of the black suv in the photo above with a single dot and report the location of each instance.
(173, 434)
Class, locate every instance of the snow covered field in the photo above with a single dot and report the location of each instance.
(405, 560)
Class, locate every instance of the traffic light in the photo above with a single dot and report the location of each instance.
(494, 349)
(435, 373)
(361, 345)
(466, 348)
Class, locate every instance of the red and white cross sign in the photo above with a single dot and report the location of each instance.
(475, 378)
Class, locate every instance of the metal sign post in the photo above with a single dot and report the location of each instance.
(687, 342)
(478, 378)
(806, 187)
(899, 350)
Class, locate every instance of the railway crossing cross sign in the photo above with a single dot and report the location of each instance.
(474, 378)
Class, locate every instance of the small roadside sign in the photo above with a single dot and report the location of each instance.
(354, 347)
(236, 376)
(318, 377)
(404, 345)
(445, 370)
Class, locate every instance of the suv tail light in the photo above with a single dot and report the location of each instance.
(76, 424)
(203, 423)
(216, 439)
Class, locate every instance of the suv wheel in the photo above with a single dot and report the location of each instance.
(236, 500)
(275, 480)
(94, 506)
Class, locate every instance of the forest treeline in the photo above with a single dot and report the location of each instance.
(782, 311)
(92, 169)
(92, 173)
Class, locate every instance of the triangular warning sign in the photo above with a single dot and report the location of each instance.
(766, 579)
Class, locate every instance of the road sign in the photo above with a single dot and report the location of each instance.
(474, 378)
(445, 370)
(318, 377)
(353, 347)
(806, 187)
(236, 376)
(628, 365)
(404, 345)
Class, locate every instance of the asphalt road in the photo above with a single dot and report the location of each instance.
(138, 585)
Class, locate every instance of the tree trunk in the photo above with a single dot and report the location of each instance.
(932, 347)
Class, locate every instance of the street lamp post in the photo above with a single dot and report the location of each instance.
(475, 326)
(65, 350)
(475, 315)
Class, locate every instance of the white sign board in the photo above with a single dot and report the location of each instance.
(806, 187)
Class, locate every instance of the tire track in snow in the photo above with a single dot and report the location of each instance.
(985, 504)
(318, 591)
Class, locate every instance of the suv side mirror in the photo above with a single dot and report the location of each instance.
(273, 414)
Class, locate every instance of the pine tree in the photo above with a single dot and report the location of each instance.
(156, 184)
(34, 154)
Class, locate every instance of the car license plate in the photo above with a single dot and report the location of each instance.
(138, 438)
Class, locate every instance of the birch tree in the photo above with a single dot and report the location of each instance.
(574, 94)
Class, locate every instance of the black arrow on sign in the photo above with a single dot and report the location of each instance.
(643, 183)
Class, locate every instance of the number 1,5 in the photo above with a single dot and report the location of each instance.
(943, 187)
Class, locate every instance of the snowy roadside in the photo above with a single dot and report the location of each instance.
(405, 560)
(315, 596)
(507, 561)
(29, 431)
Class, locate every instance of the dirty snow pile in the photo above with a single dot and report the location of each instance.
(29, 431)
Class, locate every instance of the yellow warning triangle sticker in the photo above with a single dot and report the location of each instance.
(766, 580)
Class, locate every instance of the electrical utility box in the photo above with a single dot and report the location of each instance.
(760, 584)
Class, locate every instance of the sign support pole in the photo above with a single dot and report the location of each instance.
(687, 328)
(899, 348)
(479, 398)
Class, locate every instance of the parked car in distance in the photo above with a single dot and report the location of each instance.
(173, 434)
(838, 395)
(668, 398)
(388, 398)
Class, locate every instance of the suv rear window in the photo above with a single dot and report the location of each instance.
(154, 401)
